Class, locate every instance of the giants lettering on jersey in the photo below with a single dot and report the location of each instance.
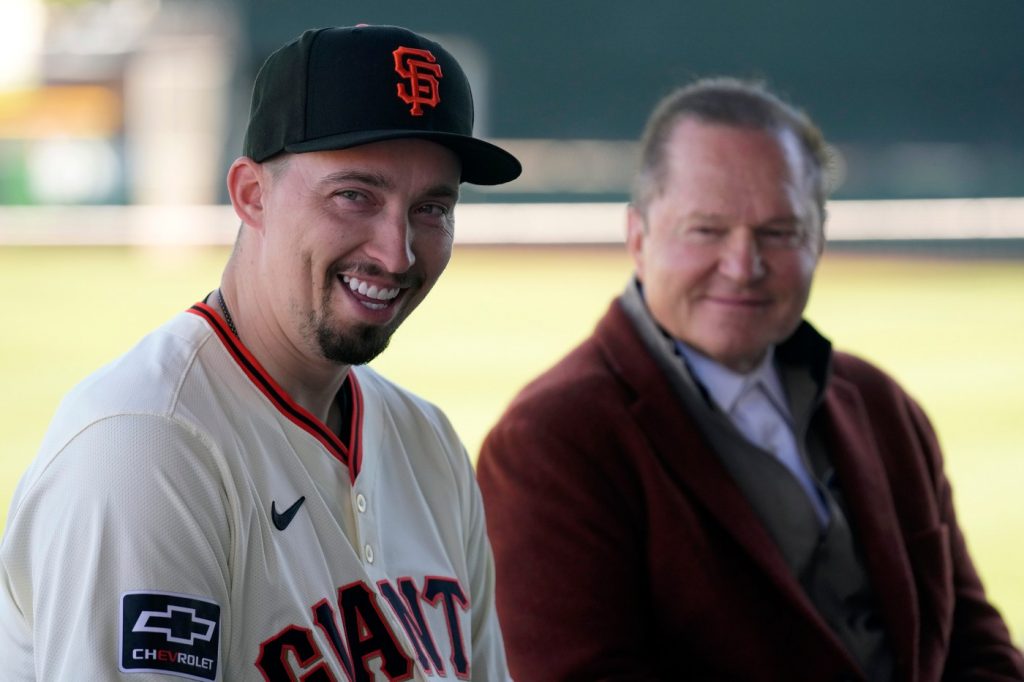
(359, 633)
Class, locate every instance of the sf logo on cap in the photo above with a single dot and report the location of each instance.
(421, 70)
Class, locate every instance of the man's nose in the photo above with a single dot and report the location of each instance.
(740, 259)
(390, 243)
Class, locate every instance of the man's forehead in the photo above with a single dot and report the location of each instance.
(697, 149)
(721, 141)
(384, 164)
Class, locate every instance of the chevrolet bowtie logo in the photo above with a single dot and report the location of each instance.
(177, 624)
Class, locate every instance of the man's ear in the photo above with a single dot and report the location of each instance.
(821, 232)
(246, 185)
(636, 232)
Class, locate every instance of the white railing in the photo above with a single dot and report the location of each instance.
(501, 223)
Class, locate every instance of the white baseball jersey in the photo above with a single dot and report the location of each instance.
(186, 518)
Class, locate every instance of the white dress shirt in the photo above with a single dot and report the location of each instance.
(756, 404)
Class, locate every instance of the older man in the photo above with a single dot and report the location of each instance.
(703, 489)
(237, 498)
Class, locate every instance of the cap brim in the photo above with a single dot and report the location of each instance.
(483, 163)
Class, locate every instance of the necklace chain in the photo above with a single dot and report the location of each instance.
(227, 315)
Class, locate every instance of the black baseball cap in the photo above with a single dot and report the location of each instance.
(335, 88)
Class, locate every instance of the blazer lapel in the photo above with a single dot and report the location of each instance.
(873, 518)
(690, 461)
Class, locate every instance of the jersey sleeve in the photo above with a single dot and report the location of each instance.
(487, 644)
(124, 534)
(489, 662)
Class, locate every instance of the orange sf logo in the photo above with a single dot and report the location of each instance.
(421, 69)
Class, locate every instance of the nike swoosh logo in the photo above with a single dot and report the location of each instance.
(282, 519)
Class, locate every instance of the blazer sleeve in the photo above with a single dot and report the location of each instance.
(980, 647)
(959, 634)
(565, 521)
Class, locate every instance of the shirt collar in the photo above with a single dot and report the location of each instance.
(726, 386)
(805, 347)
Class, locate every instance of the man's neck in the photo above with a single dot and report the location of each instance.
(311, 380)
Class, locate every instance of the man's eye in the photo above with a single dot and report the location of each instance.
(436, 210)
(778, 236)
(350, 194)
(706, 231)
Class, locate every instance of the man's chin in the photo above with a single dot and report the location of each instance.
(357, 347)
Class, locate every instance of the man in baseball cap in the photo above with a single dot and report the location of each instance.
(241, 498)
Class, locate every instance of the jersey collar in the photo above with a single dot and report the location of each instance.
(350, 455)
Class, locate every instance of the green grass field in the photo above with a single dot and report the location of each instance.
(951, 330)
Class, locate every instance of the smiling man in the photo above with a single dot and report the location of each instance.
(238, 497)
(703, 489)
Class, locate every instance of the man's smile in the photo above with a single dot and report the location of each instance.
(371, 295)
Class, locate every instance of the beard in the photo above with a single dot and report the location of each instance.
(343, 344)
(357, 346)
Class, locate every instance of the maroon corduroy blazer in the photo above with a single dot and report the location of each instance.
(625, 551)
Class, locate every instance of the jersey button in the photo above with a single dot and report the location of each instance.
(361, 503)
(368, 553)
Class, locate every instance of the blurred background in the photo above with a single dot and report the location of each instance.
(118, 119)
(144, 101)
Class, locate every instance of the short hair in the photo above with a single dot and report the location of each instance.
(277, 164)
(731, 102)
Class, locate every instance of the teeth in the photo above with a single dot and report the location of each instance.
(369, 290)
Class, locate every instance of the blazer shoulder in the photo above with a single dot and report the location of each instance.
(604, 367)
(867, 377)
(581, 376)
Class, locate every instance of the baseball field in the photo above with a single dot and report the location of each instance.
(952, 330)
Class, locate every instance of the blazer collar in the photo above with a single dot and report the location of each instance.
(643, 356)
(873, 516)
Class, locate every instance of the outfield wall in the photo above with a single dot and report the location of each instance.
(493, 223)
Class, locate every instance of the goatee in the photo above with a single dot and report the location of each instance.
(358, 346)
